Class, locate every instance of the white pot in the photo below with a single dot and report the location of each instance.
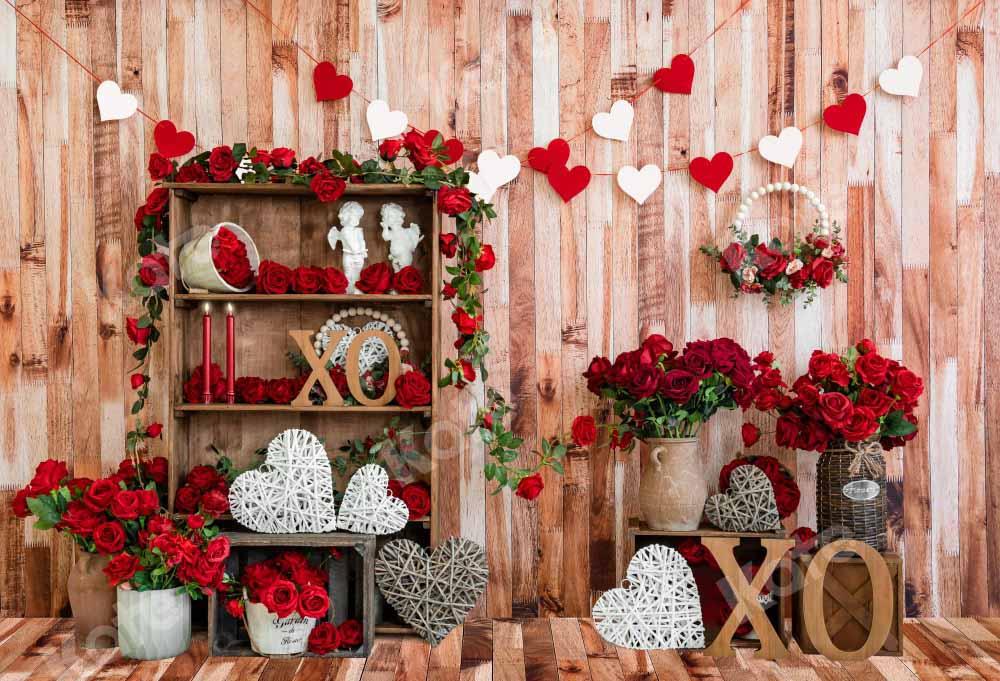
(197, 268)
(273, 635)
(153, 625)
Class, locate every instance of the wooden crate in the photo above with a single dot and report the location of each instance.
(639, 535)
(289, 225)
(847, 594)
(351, 588)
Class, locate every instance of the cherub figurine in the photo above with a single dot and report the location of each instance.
(352, 237)
(402, 240)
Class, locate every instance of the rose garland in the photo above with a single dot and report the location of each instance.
(430, 154)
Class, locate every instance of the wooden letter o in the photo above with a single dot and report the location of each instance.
(354, 370)
(882, 600)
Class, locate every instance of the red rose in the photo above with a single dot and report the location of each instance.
(765, 358)
(217, 550)
(202, 477)
(273, 277)
(864, 346)
(835, 409)
(449, 245)
(192, 172)
(125, 504)
(596, 374)
(280, 597)
(486, 259)
(187, 498)
(19, 504)
(351, 634)
(375, 278)
(262, 156)
(822, 365)
(250, 390)
(389, 149)
(221, 164)
(448, 291)
(156, 201)
(136, 334)
(530, 487)
(821, 271)
(79, 519)
(339, 377)
(412, 389)
(861, 426)
(679, 385)
(750, 434)
(417, 497)
(408, 280)
(149, 501)
(878, 402)
(732, 258)
(109, 537)
(280, 390)
(813, 437)
(159, 166)
(468, 372)
(465, 323)
(454, 200)
(159, 524)
(310, 166)
(126, 470)
(871, 368)
(786, 496)
(770, 263)
(584, 431)
(323, 639)
(195, 521)
(137, 381)
(787, 430)
(394, 488)
(99, 495)
(121, 568)
(334, 281)
(194, 386)
(907, 386)
(697, 358)
(282, 157)
(49, 475)
(799, 278)
(154, 430)
(313, 601)
(327, 187)
(658, 346)
(307, 279)
(234, 607)
(805, 540)
(214, 503)
(421, 154)
(258, 576)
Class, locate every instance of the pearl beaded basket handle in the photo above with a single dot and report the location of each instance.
(373, 351)
(744, 210)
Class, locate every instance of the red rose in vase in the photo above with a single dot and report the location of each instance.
(375, 278)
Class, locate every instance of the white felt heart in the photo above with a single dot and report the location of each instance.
(494, 172)
(617, 124)
(113, 104)
(660, 609)
(640, 184)
(904, 79)
(367, 508)
(384, 123)
(747, 506)
(783, 149)
(291, 492)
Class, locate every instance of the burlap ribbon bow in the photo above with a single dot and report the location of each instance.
(867, 458)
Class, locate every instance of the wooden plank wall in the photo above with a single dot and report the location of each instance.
(918, 192)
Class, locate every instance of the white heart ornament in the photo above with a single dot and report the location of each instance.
(615, 125)
(640, 184)
(113, 104)
(384, 123)
(367, 508)
(494, 172)
(783, 149)
(904, 79)
(291, 492)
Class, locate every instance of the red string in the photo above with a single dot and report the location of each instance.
(289, 38)
(719, 27)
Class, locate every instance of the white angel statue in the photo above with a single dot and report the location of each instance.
(352, 238)
(402, 240)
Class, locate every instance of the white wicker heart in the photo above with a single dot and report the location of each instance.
(747, 506)
(291, 492)
(367, 507)
(659, 609)
(373, 351)
(432, 593)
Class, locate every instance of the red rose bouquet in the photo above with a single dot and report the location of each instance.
(657, 392)
(229, 255)
(778, 270)
(204, 491)
(858, 397)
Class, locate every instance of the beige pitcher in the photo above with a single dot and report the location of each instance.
(92, 602)
(673, 489)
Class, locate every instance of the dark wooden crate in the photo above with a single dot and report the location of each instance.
(351, 589)
(639, 535)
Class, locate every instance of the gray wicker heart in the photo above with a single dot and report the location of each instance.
(747, 506)
(432, 593)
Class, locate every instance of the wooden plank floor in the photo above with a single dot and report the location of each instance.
(508, 650)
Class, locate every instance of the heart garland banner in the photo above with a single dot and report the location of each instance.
(904, 80)
(494, 172)
(554, 155)
(676, 79)
(712, 174)
(782, 149)
(113, 104)
(330, 86)
(615, 125)
(569, 182)
(848, 115)
(384, 123)
(640, 184)
(170, 141)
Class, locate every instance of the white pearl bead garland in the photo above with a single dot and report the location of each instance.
(377, 315)
(744, 209)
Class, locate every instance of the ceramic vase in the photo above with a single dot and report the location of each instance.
(153, 625)
(92, 601)
(673, 490)
(273, 635)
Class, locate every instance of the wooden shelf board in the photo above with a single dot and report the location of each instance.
(394, 630)
(640, 529)
(293, 189)
(267, 540)
(193, 299)
(222, 408)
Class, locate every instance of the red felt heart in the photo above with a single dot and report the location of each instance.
(678, 77)
(170, 141)
(453, 147)
(712, 174)
(568, 183)
(846, 116)
(329, 84)
(556, 155)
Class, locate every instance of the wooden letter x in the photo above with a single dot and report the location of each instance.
(747, 605)
(318, 365)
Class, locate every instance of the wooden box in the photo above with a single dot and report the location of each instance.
(639, 535)
(351, 588)
(847, 595)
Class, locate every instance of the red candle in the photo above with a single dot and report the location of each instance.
(230, 355)
(206, 356)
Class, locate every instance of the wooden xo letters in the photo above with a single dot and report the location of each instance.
(320, 374)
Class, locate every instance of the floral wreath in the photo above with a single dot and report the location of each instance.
(430, 155)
